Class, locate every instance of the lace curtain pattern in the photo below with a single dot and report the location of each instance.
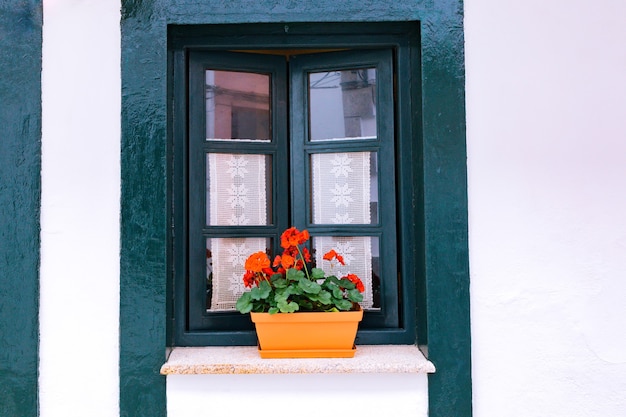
(341, 195)
(237, 196)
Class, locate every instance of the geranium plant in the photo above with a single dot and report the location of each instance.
(290, 284)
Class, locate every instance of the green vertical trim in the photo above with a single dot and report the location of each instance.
(20, 192)
(440, 186)
(144, 231)
(445, 211)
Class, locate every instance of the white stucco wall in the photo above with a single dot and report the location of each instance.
(304, 395)
(546, 133)
(79, 302)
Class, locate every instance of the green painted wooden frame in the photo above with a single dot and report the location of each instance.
(20, 199)
(440, 219)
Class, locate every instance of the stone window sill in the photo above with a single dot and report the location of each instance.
(246, 360)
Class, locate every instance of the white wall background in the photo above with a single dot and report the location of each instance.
(546, 132)
(367, 395)
(79, 299)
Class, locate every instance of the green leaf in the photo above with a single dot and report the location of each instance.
(317, 273)
(281, 296)
(343, 305)
(262, 291)
(323, 297)
(285, 292)
(294, 275)
(310, 287)
(347, 284)
(259, 307)
(330, 282)
(355, 295)
(287, 307)
(273, 310)
(337, 292)
(280, 283)
(244, 303)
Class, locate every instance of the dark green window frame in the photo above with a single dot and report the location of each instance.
(393, 52)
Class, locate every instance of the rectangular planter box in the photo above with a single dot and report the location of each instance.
(307, 335)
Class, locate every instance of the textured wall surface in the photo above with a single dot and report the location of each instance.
(20, 186)
(546, 111)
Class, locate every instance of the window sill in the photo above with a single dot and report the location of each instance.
(246, 360)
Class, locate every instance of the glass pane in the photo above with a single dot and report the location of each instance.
(344, 188)
(225, 260)
(238, 189)
(237, 106)
(342, 104)
(361, 257)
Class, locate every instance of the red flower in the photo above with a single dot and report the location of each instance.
(306, 255)
(293, 237)
(287, 261)
(278, 265)
(356, 281)
(257, 261)
(299, 265)
(331, 254)
(248, 279)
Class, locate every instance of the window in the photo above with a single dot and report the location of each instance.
(267, 136)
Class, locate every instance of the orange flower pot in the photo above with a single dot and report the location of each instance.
(307, 335)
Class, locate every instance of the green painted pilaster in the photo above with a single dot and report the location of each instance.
(143, 212)
(445, 212)
(20, 190)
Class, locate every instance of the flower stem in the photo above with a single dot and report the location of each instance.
(306, 270)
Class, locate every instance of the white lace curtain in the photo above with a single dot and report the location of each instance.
(341, 195)
(237, 196)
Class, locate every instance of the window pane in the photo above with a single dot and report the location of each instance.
(225, 260)
(361, 257)
(238, 188)
(237, 106)
(342, 104)
(344, 188)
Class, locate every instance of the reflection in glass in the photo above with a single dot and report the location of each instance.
(238, 188)
(344, 188)
(342, 104)
(361, 257)
(237, 106)
(225, 260)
